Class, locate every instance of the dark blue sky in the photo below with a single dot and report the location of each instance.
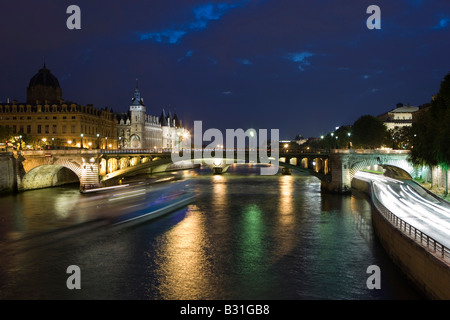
(303, 67)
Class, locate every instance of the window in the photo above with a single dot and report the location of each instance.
(54, 128)
(28, 128)
(64, 129)
(54, 118)
(39, 128)
(47, 128)
(73, 117)
(73, 129)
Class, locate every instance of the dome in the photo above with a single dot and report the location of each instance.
(44, 88)
(44, 78)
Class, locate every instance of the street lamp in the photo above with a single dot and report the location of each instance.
(349, 140)
(53, 143)
(106, 143)
(81, 141)
(20, 142)
(98, 144)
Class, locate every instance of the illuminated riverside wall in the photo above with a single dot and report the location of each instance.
(430, 274)
(8, 182)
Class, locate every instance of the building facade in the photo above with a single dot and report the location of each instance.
(138, 130)
(399, 117)
(51, 122)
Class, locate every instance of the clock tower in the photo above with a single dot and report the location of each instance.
(137, 115)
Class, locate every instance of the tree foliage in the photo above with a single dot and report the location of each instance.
(431, 131)
(369, 132)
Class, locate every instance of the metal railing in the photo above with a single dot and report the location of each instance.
(433, 246)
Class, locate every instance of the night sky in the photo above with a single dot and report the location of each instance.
(303, 67)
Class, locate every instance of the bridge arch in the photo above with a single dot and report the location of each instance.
(48, 175)
(395, 168)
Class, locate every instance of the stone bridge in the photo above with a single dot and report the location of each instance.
(91, 168)
(94, 168)
(344, 164)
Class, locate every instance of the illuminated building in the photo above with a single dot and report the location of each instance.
(53, 122)
(400, 116)
(138, 130)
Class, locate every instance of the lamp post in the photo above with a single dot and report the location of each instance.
(53, 143)
(98, 144)
(349, 140)
(81, 141)
(20, 142)
(120, 143)
(106, 143)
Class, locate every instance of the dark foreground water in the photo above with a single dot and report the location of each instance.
(245, 236)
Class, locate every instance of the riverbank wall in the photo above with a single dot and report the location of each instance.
(8, 176)
(429, 271)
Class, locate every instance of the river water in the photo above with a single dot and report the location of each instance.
(245, 236)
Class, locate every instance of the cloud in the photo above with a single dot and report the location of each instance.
(207, 12)
(188, 54)
(243, 61)
(202, 15)
(300, 58)
(443, 23)
(168, 36)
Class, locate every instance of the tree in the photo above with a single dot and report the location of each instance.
(369, 132)
(431, 132)
(401, 138)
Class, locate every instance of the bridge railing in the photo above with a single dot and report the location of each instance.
(432, 245)
(126, 151)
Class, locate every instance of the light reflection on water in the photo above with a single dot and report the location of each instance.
(245, 237)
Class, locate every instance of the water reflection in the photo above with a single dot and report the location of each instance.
(286, 218)
(183, 263)
(245, 237)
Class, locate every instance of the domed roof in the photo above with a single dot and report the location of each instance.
(44, 78)
(44, 88)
